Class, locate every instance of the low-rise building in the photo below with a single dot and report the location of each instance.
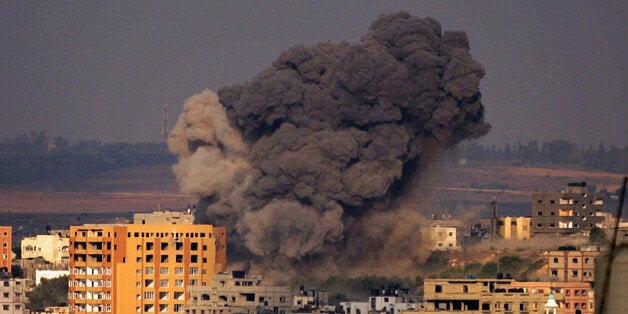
(443, 238)
(572, 265)
(49, 274)
(51, 247)
(236, 293)
(389, 300)
(579, 297)
(482, 296)
(514, 228)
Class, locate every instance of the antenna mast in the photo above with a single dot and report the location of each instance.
(165, 126)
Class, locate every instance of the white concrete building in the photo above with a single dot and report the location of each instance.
(50, 247)
(443, 238)
(49, 274)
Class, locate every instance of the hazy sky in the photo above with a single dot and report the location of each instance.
(103, 70)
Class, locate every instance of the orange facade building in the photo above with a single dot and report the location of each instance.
(5, 248)
(136, 268)
(579, 297)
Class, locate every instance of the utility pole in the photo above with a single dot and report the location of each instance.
(164, 131)
(494, 219)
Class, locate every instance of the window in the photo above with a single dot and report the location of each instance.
(194, 259)
(554, 273)
(178, 270)
(555, 259)
(574, 260)
(194, 246)
(193, 270)
(179, 258)
(552, 225)
(552, 213)
(149, 295)
(438, 288)
(163, 270)
(164, 246)
(486, 306)
(539, 225)
(149, 246)
(574, 273)
(178, 283)
(508, 306)
(164, 283)
(164, 258)
(193, 282)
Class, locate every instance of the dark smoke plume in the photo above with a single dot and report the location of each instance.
(305, 162)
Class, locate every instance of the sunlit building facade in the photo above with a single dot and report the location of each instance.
(135, 268)
(51, 247)
(5, 248)
(572, 210)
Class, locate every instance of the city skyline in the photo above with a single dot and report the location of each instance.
(104, 71)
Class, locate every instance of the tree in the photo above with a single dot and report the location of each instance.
(50, 292)
(597, 235)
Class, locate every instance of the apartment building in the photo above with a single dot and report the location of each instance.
(572, 265)
(141, 268)
(5, 248)
(483, 296)
(572, 210)
(13, 296)
(236, 293)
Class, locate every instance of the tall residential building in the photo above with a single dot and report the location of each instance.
(5, 248)
(135, 268)
(572, 210)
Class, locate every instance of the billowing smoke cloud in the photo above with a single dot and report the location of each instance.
(302, 160)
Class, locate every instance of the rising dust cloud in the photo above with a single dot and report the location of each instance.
(308, 163)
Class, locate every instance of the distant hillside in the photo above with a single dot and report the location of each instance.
(129, 190)
(34, 158)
